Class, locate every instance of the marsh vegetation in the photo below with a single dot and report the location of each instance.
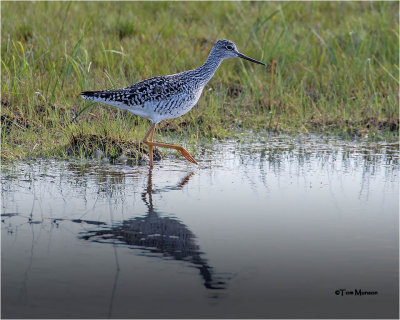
(332, 68)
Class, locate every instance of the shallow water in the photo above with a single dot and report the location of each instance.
(270, 229)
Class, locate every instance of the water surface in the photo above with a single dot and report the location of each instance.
(266, 229)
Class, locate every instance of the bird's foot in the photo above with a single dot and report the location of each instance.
(182, 150)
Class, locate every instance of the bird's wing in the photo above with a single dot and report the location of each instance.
(152, 89)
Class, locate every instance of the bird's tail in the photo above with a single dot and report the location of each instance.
(90, 95)
(113, 98)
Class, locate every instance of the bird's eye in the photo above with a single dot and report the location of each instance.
(229, 47)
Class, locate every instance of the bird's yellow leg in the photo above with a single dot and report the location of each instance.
(151, 147)
(151, 134)
(182, 150)
(153, 144)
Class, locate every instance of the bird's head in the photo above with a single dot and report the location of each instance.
(227, 49)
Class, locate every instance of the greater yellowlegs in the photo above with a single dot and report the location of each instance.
(167, 97)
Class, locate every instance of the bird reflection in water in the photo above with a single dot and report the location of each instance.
(161, 235)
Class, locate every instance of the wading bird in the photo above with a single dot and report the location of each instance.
(167, 97)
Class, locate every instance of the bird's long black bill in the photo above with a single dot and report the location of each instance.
(250, 59)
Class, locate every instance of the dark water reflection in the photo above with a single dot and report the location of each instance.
(270, 228)
(165, 235)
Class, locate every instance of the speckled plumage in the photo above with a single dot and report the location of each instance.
(167, 97)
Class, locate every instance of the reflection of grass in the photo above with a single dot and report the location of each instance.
(332, 68)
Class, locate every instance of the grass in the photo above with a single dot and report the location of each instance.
(332, 68)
